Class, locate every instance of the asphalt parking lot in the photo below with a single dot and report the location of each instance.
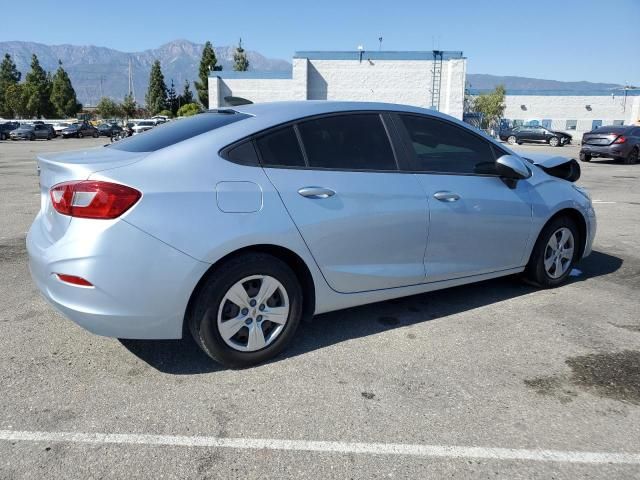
(496, 379)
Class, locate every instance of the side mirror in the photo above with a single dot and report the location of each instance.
(512, 167)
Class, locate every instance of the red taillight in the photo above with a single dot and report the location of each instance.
(620, 139)
(72, 279)
(93, 199)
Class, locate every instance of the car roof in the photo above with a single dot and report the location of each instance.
(291, 110)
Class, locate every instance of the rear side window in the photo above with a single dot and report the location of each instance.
(353, 142)
(177, 131)
(441, 147)
(280, 148)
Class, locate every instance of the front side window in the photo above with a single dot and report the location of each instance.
(352, 142)
(441, 147)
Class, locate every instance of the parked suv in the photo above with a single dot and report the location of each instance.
(535, 134)
(619, 142)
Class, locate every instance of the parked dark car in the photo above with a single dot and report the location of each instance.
(535, 134)
(6, 128)
(79, 130)
(619, 142)
(109, 129)
(31, 132)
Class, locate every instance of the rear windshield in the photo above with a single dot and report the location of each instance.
(177, 131)
(610, 129)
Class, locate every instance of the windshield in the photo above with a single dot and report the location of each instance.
(174, 132)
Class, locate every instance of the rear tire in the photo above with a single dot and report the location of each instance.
(632, 158)
(212, 308)
(80, 135)
(585, 157)
(549, 267)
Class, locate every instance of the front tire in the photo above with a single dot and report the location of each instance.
(584, 157)
(554, 141)
(512, 140)
(247, 311)
(80, 135)
(555, 253)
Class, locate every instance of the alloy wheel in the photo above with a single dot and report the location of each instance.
(511, 140)
(553, 141)
(253, 313)
(558, 253)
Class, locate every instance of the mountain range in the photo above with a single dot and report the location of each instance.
(100, 71)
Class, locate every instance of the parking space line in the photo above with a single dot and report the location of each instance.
(448, 451)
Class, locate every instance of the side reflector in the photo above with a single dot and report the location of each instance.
(73, 280)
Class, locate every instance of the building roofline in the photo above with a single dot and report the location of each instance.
(253, 74)
(378, 55)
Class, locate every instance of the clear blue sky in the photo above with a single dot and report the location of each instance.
(595, 40)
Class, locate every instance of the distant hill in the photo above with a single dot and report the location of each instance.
(99, 71)
(479, 82)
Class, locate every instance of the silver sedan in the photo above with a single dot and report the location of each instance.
(235, 224)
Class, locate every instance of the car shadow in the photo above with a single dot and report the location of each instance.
(183, 357)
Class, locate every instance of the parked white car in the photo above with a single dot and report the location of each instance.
(143, 126)
(60, 126)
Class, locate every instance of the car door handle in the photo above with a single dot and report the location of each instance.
(316, 192)
(446, 196)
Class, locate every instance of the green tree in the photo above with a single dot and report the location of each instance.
(491, 106)
(128, 106)
(172, 99)
(37, 87)
(9, 76)
(107, 108)
(156, 97)
(187, 95)
(188, 110)
(208, 63)
(63, 96)
(240, 60)
(16, 102)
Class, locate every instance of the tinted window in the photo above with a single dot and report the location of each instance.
(177, 131)
(445, 148)
(355, 142)
(280, 148)
(243, 154)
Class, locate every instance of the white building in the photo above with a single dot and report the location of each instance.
(432, 79)
(575, 114)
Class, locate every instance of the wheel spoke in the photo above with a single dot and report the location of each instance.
(256, 337)
(277, 314)
(564, 237)
(553, 242)
(230, 327)
(238, 295)
(267, 289)
(558, 270)
(568, 254)
(548, 263)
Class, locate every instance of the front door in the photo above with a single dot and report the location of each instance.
(364, 222)
(477, 223)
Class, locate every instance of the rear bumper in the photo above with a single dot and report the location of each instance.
(606, 151)
(141, 285)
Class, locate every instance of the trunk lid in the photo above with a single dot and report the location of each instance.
(561, 167)
(599, 138)
(76, 165)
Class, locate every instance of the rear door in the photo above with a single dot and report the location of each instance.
(364, 222)
(477, 223)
